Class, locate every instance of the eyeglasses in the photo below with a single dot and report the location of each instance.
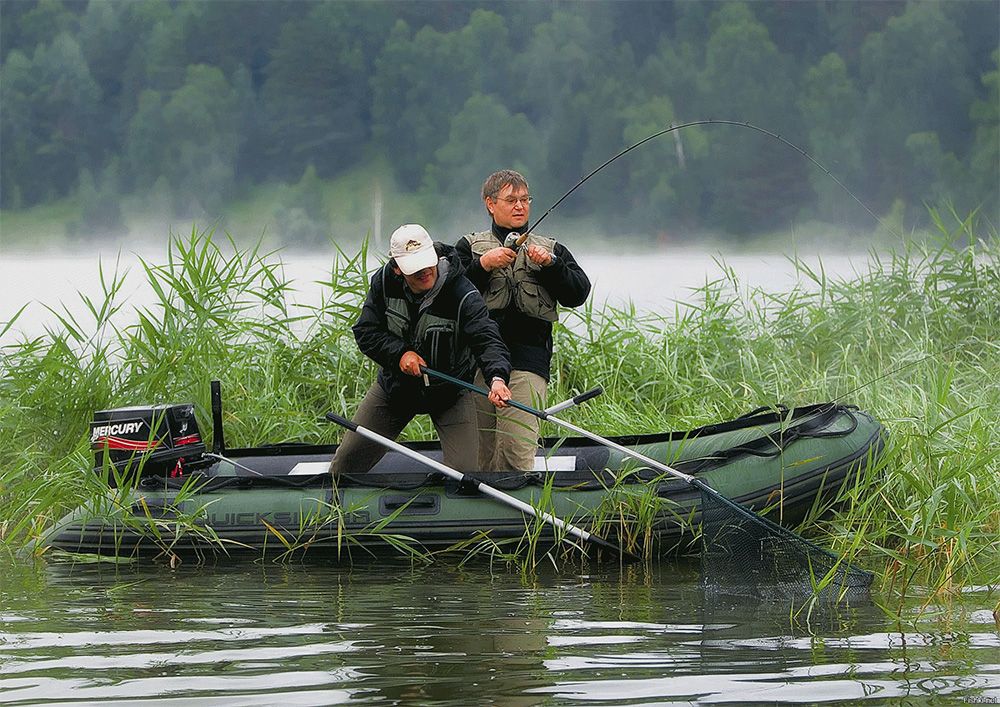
(511, 200)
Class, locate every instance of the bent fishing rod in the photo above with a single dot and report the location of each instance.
(673, 128)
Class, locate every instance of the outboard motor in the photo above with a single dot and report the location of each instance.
(157, 440)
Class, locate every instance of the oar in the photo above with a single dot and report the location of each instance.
(575, 400)
(547, 415)
(479, 485)
(746, 531)
(568, 403)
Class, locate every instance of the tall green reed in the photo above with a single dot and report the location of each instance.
(913, 339)
(219, 311)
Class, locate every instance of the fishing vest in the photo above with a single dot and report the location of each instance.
(517, 280)
(433, 336)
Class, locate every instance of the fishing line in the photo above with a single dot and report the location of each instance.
(897, 369)
(741, 124)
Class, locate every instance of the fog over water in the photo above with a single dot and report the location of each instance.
(656, 281)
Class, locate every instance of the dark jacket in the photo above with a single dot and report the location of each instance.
(528, 338)
(473, 342)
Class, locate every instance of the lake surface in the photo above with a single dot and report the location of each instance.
(392, 634)
(263, 634)
(654, 281)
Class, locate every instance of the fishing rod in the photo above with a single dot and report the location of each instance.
(673, 128)
(763, 131)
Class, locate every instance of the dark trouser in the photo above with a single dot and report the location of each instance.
(456, 428)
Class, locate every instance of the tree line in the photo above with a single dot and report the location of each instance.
(190, 104)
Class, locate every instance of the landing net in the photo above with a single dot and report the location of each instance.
(745, 553)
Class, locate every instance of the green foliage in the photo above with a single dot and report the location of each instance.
(422, 79)
(50, 105)
(917, 78)
(739, 51)
(658, 175)
(302, 212)
(985, 163)
(316, 96)
(199, 104)
(830, 102)
(913, 340)
(573, 103)
(473, 152)
(933, 172)
(741, 171)
(100, 210)
(189, 137)
(28, 25)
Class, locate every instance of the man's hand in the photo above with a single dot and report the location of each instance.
(497, 258)
(499, 393)
(411, 362)
(539, 256)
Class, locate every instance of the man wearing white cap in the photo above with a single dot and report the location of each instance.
(422, 311)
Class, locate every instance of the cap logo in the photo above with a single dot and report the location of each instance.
(412, 245)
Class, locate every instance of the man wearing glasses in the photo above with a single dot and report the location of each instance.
(522, 280)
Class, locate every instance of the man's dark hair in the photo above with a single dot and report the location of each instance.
(496, 181)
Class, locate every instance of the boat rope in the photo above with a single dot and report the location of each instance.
(711, 121)
(221, 482)
(235, 463)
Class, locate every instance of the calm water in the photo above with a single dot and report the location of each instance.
(317, 635)
(312, 635)
(656, 281)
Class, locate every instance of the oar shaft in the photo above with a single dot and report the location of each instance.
(576, 400)
(531, 510)
(659, 466)
(544, 415)
(459, 476)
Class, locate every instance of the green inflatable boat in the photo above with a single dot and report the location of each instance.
(168, 494)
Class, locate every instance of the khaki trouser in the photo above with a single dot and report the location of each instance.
(456, 428)
(508, 437)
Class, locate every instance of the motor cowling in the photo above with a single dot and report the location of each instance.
(157, 440)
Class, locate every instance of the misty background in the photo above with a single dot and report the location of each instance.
(312, 122)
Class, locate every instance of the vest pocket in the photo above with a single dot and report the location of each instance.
(534, 300)
(440, 342)
(397, 323)
(498, 290)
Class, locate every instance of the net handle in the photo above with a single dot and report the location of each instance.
(776, 530)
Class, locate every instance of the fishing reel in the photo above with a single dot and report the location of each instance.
(513, 241)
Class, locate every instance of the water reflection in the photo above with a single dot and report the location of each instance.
(265, 634)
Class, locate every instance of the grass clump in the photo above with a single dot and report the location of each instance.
(913, 340)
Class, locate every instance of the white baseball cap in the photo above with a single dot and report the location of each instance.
(412, 249)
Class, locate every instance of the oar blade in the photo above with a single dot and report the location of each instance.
(614, 549)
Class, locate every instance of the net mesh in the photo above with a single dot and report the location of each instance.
(745, 553)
